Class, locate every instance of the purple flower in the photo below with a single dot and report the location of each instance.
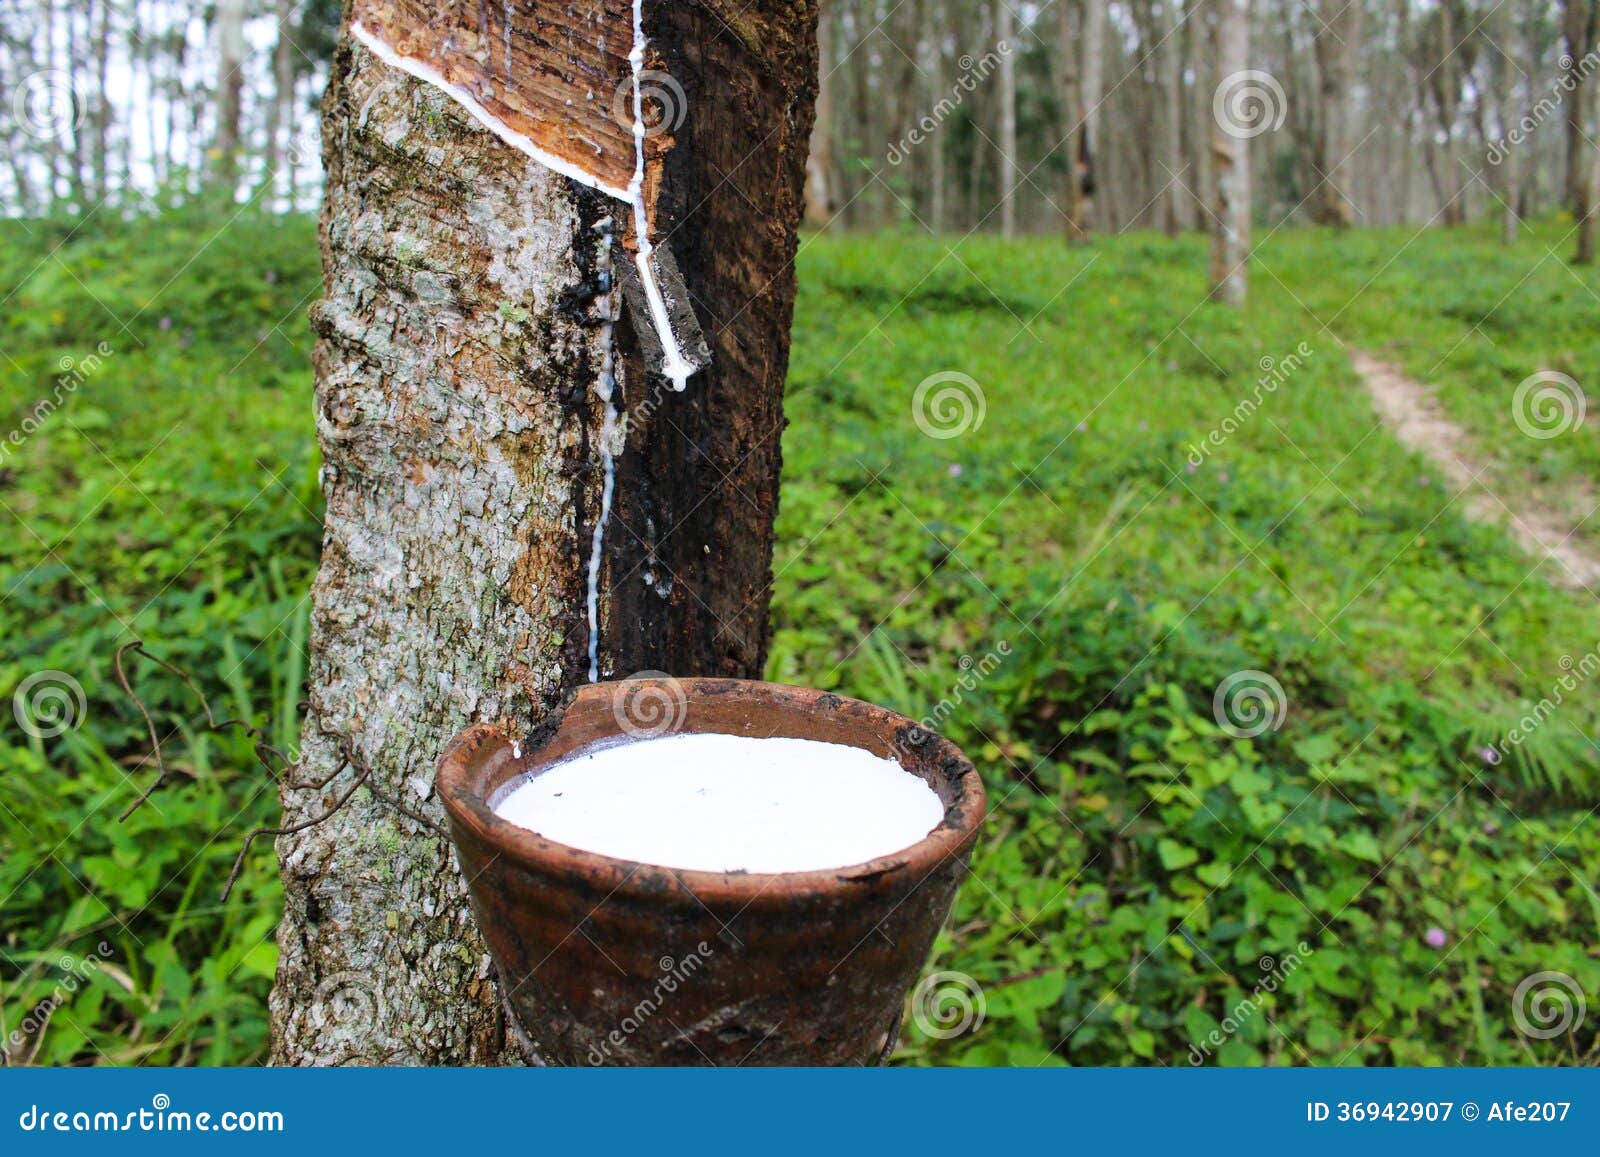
(1190, 468)
(1082, 426)
(1435, 937)
(1423, 481)
(1488, 755)
(165, 323)
(954, 470)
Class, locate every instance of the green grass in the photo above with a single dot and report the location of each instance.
(1474, 318)
(1058, 587)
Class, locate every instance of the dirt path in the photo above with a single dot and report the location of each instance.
(1410, 411)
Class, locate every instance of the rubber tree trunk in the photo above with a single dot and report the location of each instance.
(1583, 158)
(1336, 43)
(819, 159)
(1170, 63)
(1006, 42)
(230, 88)
(1094, 45)
(461, 348)
(1070, 87)
(1578, 19)
(1230, 148)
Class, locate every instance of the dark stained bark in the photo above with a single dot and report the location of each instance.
(701, 507)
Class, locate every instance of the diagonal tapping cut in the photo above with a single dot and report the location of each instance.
(530, 101)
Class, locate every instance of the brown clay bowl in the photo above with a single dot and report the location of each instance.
(606, 961)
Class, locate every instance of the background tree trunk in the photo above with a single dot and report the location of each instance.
(1170, 62)
(1069, 83)
(1582, 157)
(280, 107)
(819, 159)
(1094, 46)
(460, 349)
(1577, 35)
(230, 87)
(1508, 66)
(1587, 206)
(1230, 228)
(1337, 35)
(1006, 37)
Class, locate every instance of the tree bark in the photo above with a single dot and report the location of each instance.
(1171, 67)
(1335, 42)
(819, 159)
(1578, 19)
(1230, 227)
(933, 51)
(230, 87)
(1583, 160)
(280, 107)
(1506, 69)
(1094, 46)
(100, 103)
(1069, 83)
(462, 348)
(1587, 206)
(1006, 36)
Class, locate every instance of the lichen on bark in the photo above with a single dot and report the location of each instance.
(456, 357)
(454, 455)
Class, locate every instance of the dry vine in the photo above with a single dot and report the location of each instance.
(278, 765)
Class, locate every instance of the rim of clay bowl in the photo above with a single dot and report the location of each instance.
(484, 751)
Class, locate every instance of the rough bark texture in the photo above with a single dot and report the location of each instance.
(458, 349)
